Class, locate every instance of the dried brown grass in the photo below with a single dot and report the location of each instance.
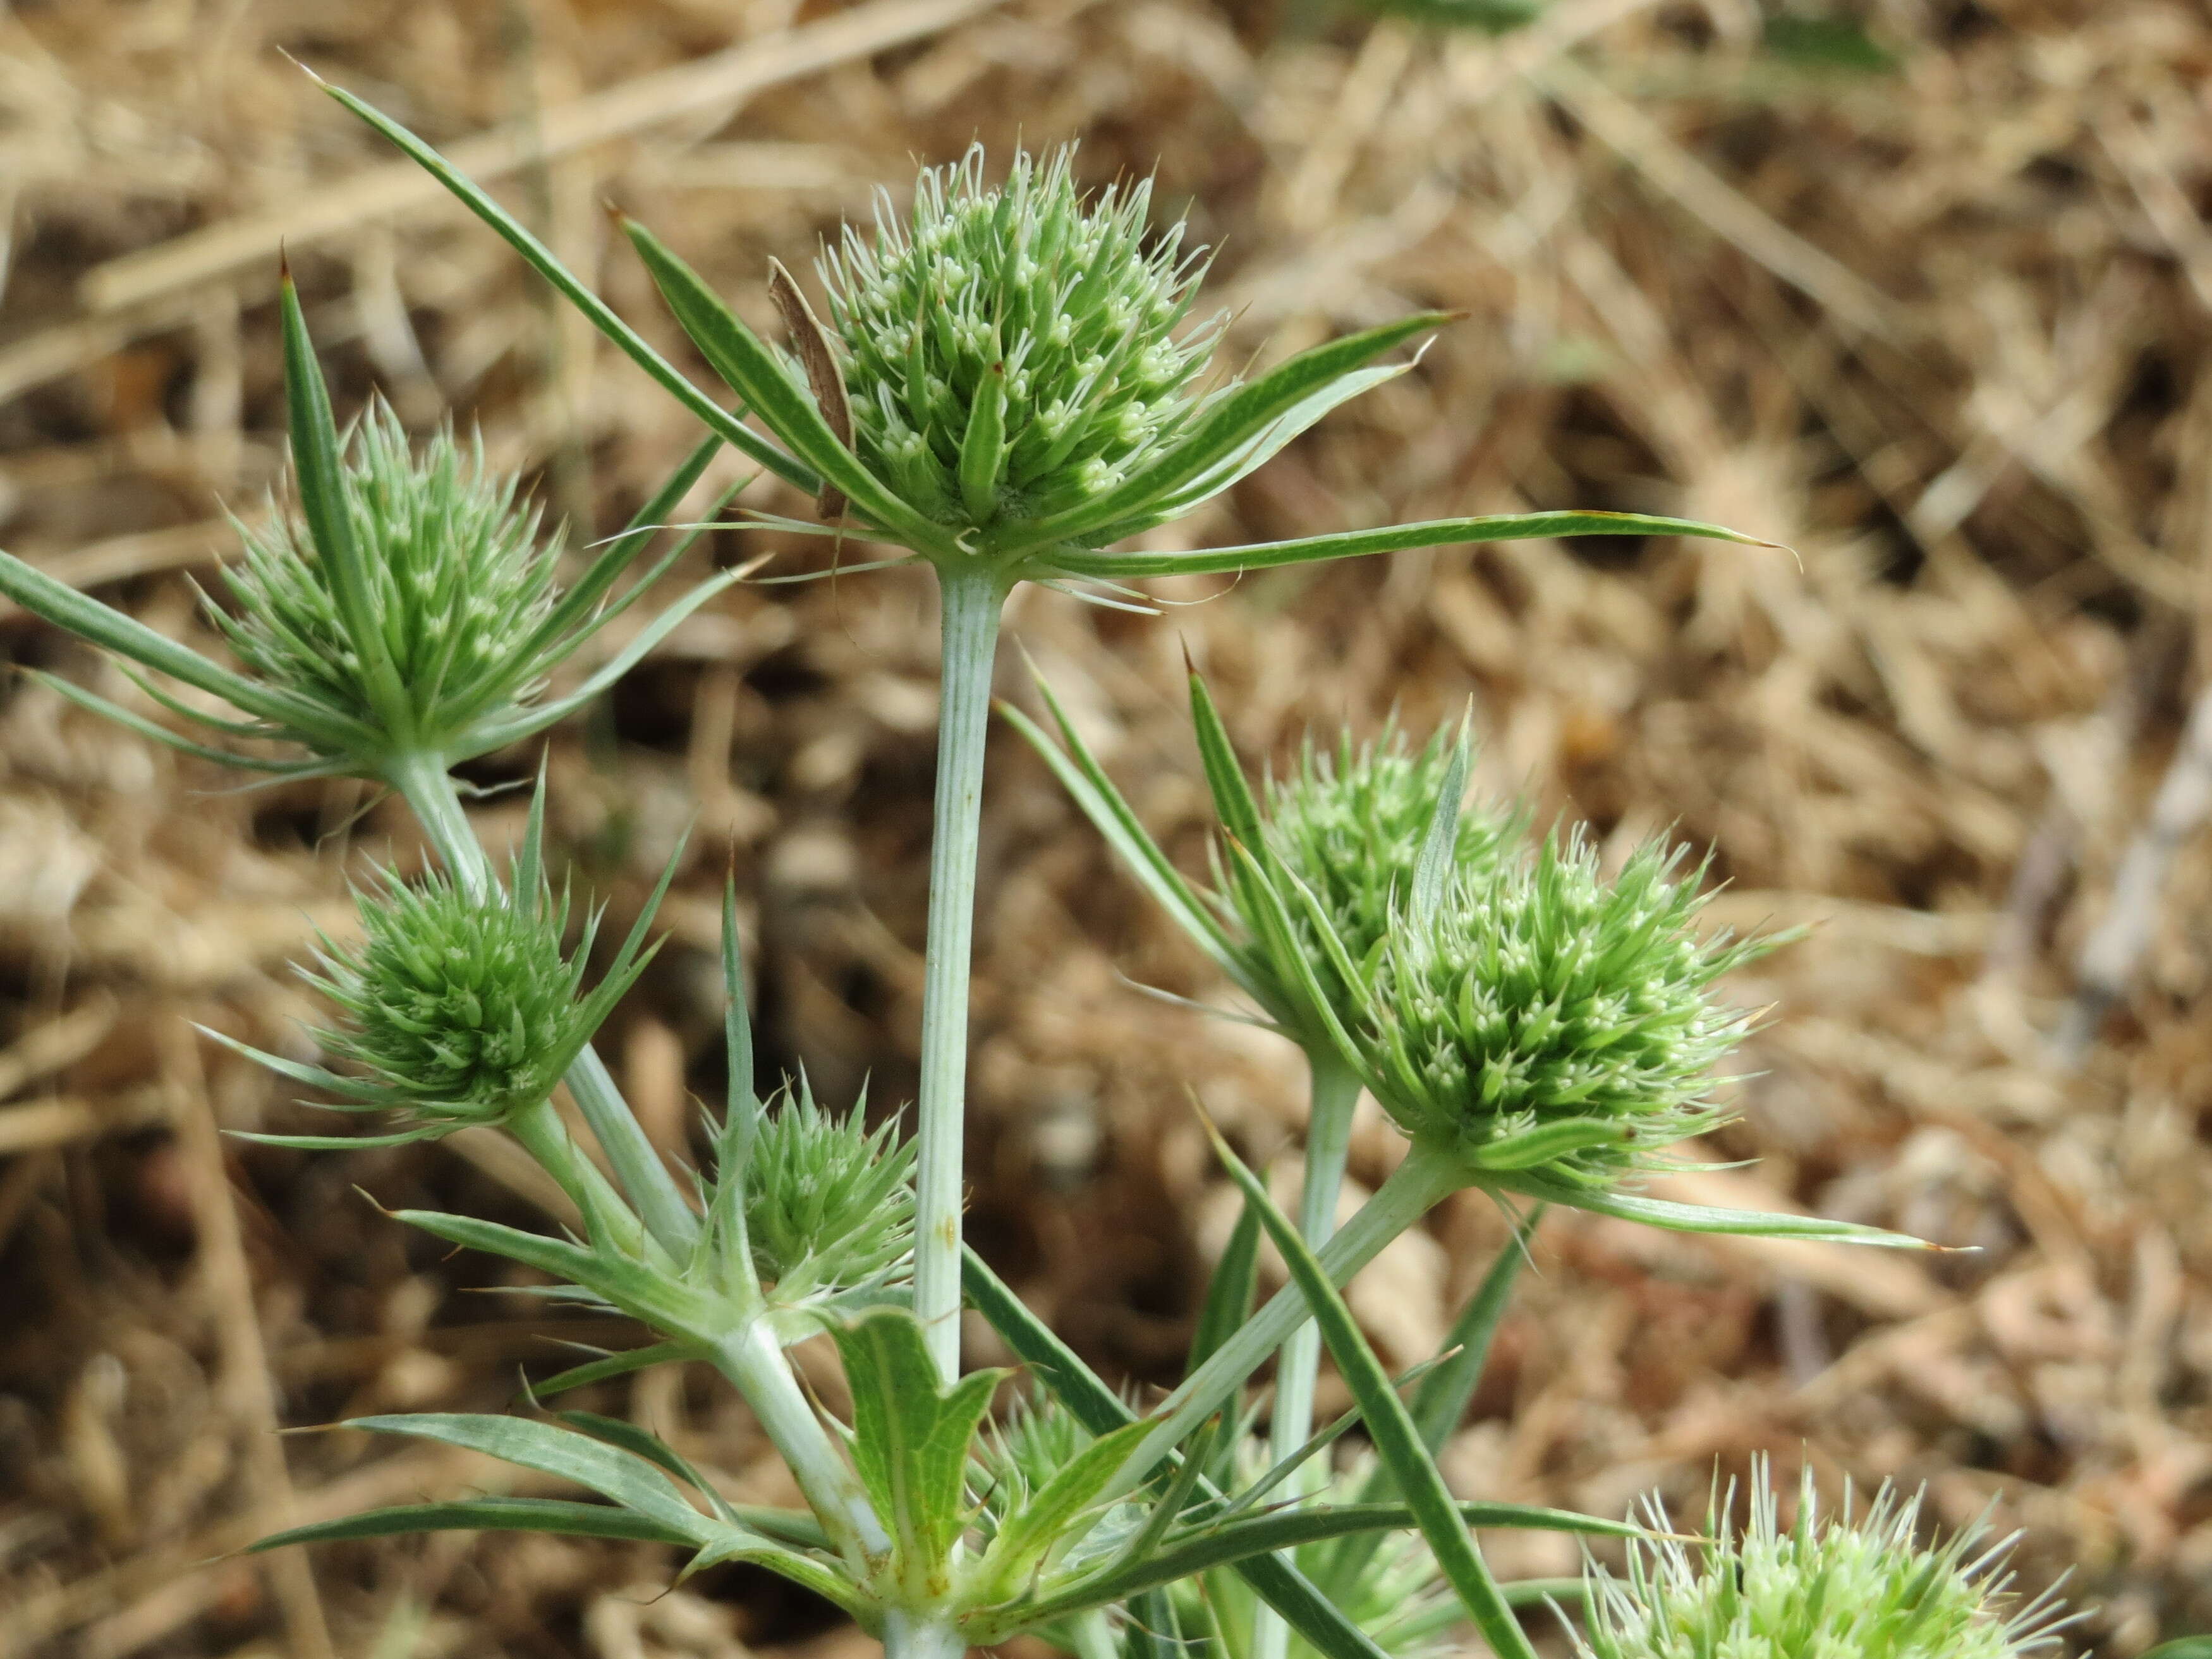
(1945, 331)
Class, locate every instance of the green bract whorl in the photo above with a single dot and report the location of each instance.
(456, 580)
(1828, 1586)
(1012, 352)
(1544, 1019)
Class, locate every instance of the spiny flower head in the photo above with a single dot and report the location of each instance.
(1542, 1017)
(456, 579)
(1012, 352)
(829, 1205)
(1827, 1587)
(462, 1007)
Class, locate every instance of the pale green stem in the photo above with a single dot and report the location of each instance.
(1414, 1189)
(429, 789)
(753, 1359)
(972, 599)
(1334, 1096)
(919, 1634)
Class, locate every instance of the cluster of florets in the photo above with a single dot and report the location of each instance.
(1824, 1588)
(457, 584)
(1350, 826)
(829, 1205)
(1546, 1016)
(460, 1008)
(1009, 352)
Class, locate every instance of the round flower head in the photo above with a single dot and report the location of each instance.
(1544, 1020)
(828, 1206)
(461, 1006)
(1831, 1587)
(456, 580)
(1012, 352)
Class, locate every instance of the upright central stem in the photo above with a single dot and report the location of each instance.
(972, 599)
(1335, 1095)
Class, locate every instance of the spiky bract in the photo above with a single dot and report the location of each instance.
(1827, 1587)
(1011, 352)
(456, 577)
(829, 1203)
(1547, 1019)
(462, 1008)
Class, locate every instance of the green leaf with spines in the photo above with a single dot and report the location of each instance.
(613, 1472)
(560, 1516)
(1355, 544)
(1199, 1549)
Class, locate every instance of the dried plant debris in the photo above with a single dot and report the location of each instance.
(1920, 292)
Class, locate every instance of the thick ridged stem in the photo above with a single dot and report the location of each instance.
(972, 599)
(1334, 1096)
(429, 789)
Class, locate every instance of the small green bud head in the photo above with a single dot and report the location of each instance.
(1011, 351)
(1545, 1018)
(1827, 1587)
(460, 1009)
(457, 584)
(829, 1205)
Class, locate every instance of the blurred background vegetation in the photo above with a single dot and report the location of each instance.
(1921, 287)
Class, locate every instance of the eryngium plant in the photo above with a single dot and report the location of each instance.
(900, 1530)
(1825, 1586)
(1545, 1020)
(1012, 352)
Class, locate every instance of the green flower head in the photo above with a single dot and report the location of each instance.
(1012, 352)
(1828, 1586)
(829, 1205)
(1543, 1019)
(456, 577)
(460, 1005)
(405, 617)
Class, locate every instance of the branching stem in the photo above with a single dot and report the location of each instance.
(972, 599)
